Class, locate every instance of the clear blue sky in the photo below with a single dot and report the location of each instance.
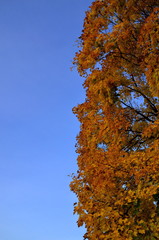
(37, 127)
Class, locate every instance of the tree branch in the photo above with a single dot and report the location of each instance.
(138, 112)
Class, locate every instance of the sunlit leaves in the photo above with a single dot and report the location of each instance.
(117, 183)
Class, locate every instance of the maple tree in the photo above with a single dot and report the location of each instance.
(117, 182)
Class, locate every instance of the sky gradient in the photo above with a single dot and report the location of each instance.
(37, 127)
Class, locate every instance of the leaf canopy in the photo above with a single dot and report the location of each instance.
(117, 183)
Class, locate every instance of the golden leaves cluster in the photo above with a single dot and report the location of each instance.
(117, 183)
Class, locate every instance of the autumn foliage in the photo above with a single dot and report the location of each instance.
(117, 183)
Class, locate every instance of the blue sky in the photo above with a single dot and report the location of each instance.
(37, 127)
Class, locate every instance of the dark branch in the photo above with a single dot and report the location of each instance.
(138, 112)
